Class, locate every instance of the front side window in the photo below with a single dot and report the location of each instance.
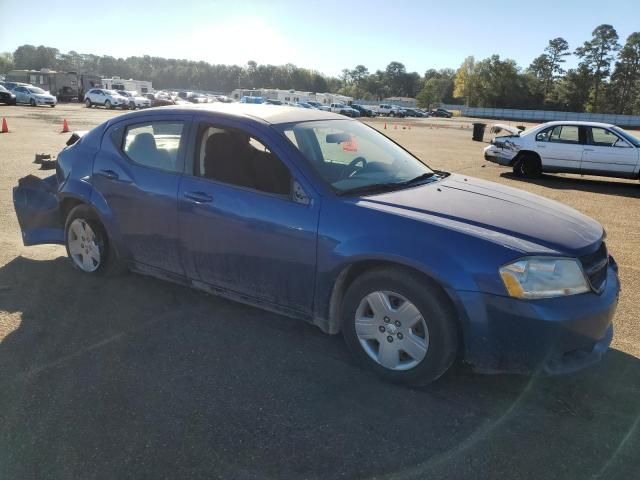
(602, 137)
(565, 134)
(154, 144)
(234, 157)
(352, 157)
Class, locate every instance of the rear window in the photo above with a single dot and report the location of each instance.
(154, 144)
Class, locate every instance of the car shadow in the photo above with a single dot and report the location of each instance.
(130, 377)
(601, 186)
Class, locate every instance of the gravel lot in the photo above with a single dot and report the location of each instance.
(136, 378)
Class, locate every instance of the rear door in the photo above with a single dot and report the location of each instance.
(563, 148)
(137, 173)
(608, 154)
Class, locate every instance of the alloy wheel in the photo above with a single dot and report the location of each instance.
(83, 246)
(391, 330)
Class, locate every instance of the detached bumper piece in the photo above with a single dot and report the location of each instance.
(38, 210)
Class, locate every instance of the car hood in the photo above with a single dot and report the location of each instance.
(515, 218)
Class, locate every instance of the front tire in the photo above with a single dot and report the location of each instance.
(87, 243)
(400, 325)
(87, 103)
(32, 102)
(107, 105)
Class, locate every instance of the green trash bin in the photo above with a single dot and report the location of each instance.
(478, 131)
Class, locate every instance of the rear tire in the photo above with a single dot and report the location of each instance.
(407, 334)
(527, 166)
(32, 102)
(87, 103)
(88, 245)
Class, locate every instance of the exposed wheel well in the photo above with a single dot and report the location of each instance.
(66, 206)
(353, 271)
(522, 153)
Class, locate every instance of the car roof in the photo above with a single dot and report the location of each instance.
(273, 114)
(577, 122)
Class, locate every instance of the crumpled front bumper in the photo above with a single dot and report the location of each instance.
(37, 207)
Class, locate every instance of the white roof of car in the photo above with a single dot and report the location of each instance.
(577, 122)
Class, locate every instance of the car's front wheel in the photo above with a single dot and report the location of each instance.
(32, 102)
(400, 325)
(107, 104)
(88, 245)
(87, 103)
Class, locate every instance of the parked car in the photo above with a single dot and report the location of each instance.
(135, 100)
(391, 110)
(304, 105)
(247, 99)
(272, 101)
(33, 96)
(319, 106)
(586, 148)
(107, 98)
(159, 100)
(364, 111)
(414, 112)
(343, 109)
(324, 219)
(6, 96)
(441, 112)
(11, 85)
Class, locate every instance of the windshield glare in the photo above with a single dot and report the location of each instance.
(36, 90)
(350, 155)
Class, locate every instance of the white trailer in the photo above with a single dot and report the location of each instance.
(130, 85)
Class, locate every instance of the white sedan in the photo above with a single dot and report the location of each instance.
(135, 100)
(33, 96)
(586, 148)
(106, 98)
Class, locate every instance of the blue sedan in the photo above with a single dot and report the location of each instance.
(324, 219)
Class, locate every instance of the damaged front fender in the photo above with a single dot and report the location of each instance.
(37, 207)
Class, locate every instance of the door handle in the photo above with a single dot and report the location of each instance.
(198, 197)
(588, 149)
(110, 174)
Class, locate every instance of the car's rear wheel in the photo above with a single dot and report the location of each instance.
(88, 245)
(107, 104)
(399, 325)
(527, 166)
(88, 103)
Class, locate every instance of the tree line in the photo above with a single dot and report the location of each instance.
(606, 79)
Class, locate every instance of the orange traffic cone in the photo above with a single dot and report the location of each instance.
(395, 127)
(5, 128)
(65, 127)
(385, 125)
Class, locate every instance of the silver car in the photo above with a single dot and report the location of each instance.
(33, 96)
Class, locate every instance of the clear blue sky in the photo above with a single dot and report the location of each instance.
(326, 35)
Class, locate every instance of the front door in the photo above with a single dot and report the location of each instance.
(563, 149)
(137, 173)
(606, 153)
(246, 223)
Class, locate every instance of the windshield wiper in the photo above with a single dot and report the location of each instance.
(382, 187)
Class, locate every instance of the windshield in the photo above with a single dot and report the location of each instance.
(36, 90)
(2, 89)
(627, 136)
(351, 156)
(111, 92)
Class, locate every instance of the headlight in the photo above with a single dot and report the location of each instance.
(544, 277)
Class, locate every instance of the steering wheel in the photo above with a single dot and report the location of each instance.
(351, 168)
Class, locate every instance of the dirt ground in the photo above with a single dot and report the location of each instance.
(137, 378)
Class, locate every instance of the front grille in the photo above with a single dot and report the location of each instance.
(595, 266)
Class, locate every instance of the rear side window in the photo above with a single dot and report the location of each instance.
(154, 144)
(565, 134)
